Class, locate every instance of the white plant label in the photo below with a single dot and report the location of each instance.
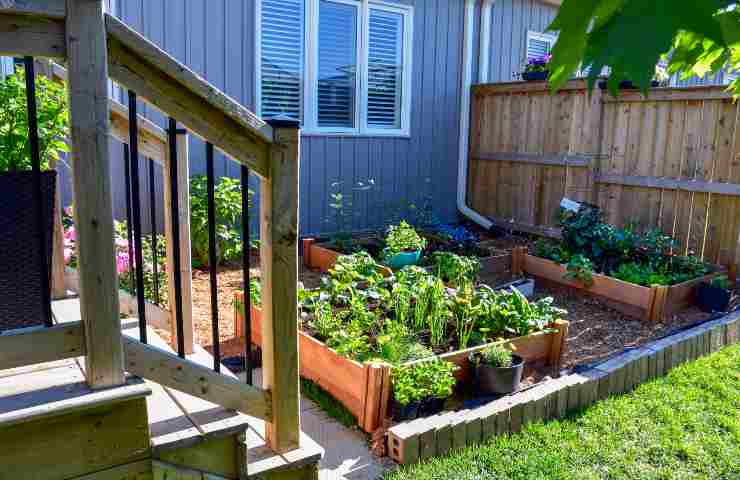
(569, 204)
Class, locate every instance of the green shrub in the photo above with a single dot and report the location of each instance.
(228, 200)
(53, 122)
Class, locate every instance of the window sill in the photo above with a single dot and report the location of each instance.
(319, 133)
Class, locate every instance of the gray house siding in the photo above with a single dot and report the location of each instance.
(409, 177)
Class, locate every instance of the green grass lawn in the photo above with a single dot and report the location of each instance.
(685, 425)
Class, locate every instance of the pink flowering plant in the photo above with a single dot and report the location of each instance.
(537, 64)
(124, 258)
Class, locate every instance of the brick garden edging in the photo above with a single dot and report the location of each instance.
(427, 437)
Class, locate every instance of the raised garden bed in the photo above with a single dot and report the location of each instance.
(323, 255)
(651, 304)
(365, 388)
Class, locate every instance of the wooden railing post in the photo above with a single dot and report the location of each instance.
(279, 264)
(87, 64)
(183, 249)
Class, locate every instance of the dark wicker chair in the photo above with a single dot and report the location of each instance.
(21, 294)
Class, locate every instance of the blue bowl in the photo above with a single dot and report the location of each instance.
(404, 259)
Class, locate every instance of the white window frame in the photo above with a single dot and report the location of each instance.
(310, 78)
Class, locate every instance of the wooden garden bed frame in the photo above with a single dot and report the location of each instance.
(651, 304)
(365, 388)
(320, 256)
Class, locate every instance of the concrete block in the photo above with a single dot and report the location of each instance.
(403, 444)
(459, 432)
(515, 417)
(503, 422)
(473, 430)
(732, 332)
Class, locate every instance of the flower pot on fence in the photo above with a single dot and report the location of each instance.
(20, 242)
(711, 298)
(499, 380)
(627, 85)
(402, 413)
(404, 259)
(535, 76)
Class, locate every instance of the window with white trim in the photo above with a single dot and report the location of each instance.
(341, 66)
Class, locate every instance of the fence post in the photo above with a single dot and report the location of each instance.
(87, 64)
(279, 264)
(183, 249)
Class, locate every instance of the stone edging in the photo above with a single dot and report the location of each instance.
(427, 437)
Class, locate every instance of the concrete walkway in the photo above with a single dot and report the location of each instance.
(347, 455)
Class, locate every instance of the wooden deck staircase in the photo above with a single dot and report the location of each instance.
(85, 398)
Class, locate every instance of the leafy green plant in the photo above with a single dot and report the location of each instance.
(228, 200)
(640, 274)
(497, 356)
(580, 269)
(422, 380)
(53, 122)
(465, 312)
(454, 269)
(403, 238)
(323, 321)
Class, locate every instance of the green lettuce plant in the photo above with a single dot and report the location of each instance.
(403, 238)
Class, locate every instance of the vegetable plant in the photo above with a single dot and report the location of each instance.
(403, 238)
(454, 269)
(497, 356)
(423, 380)
(580, 269)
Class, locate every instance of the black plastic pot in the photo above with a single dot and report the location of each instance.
(535, 76)
(431, 406)
(627, 85)
(402, 413)
(711, 298)
(499, 380)
(21, 293)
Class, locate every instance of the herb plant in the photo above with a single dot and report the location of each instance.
(454, 269)
(403, 238)
(580, 269)
(423, 380)
(497, 356)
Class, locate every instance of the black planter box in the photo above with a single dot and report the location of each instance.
(21, 294)
(535, 76)
(712, 299)
(499, 380)
(626, 85)
(402, 413)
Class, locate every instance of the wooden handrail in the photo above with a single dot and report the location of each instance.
(143, 67)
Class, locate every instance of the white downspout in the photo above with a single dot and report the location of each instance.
(466, 82)
(484, 52)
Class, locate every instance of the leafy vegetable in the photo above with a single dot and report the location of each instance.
(427, 379)
(403, 238)
(497, 356)
(455, 269)
(580, 269)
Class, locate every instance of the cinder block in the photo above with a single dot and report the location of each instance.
(561, 402)
(732, 332)
(427, 444)
(443, 437)
(589, 393)
(488, 425)
(403, 444)
(459, 432)
(652, 365)
(503, 422)
(643, 368)
(515, 417)
(716, 338)
(660, 368)
(473, 430)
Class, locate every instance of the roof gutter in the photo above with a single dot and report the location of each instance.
(466, 84)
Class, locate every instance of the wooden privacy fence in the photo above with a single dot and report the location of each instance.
(668, 161)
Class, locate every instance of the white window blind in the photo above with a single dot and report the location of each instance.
(281, 62)
(337, 64)
(539, 44)
(6, 67)
(385, 69)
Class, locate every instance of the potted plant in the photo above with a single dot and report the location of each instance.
(438, 378)
(403, 246)
(536, 69)
(407, 395)
(714, 296)
(497, 370)
(660, 79)
(19, 234)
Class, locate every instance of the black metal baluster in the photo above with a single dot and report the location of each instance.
(153, 224)
(133, 132)
(175, 222)
(38, 207)
(129, 230)
(246, 250)
(212, 260)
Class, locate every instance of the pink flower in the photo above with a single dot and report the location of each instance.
(121, 262)
(67, 255)
(70, 234)
(68, 211)
(121, 243)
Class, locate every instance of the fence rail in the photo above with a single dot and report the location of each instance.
(668, 161)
